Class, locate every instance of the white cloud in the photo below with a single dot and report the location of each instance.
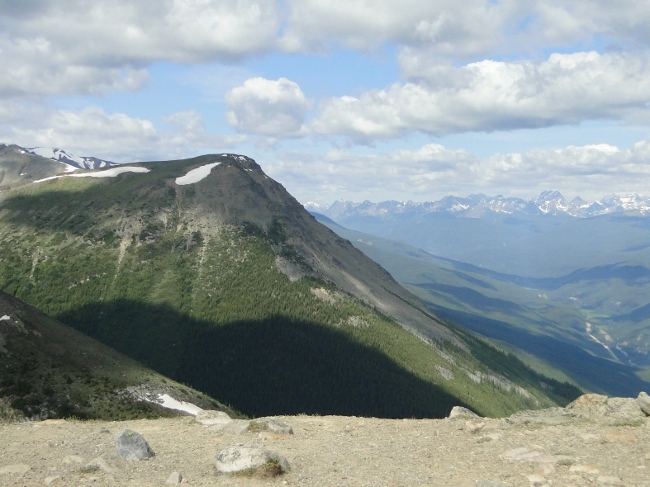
(446, 26)
(491, 95)
(433, 171)
(267, 107)
(72, 46)
(118, 137)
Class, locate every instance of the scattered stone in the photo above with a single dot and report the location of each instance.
(519, 455)
(490, 483)
(107, 463)
(474, 427)
(50, 480)
(550, 416)
(234, 427)
(270, 424)
(19, 468)
(536, 480)
(644, 403)
(238, 459)
(211, 417)
(174, 478)
(607, 480)
(73, 459)
(132, 446)
(461, 412)
(583, 469)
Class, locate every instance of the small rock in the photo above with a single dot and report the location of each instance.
(270, 424)
(234, 427)
(242, 458)
(536, 480)
(474, 427)
(174, 478)
(644, 403)
(107, 463)
(50, 480)
(490, 483)
(519, 455)
(210, 417)
(607, 480)
(19, 468)
(72, 459)
(461, 412)
(132, 446)
(583, 469)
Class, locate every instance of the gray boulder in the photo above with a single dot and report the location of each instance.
(132, 446)
(210, 417)
(242, 459)
(270, 424)
(462, 413)
(644, 403)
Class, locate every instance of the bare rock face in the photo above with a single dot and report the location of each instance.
(241, 458)
(132, 446)
(644, 403)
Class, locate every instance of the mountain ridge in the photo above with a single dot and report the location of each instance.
(228, 274)
(480, 205)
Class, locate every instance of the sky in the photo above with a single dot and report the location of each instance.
(343, 99)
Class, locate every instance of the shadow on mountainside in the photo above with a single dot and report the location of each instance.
(594, 373)
(266, 367)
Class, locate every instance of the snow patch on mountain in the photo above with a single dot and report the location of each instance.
(108, 173)
(196, 175)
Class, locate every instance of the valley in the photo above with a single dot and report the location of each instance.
(543, 315)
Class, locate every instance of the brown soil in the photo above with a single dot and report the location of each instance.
(339, 451)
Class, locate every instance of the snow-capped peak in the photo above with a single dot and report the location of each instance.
(71, 161)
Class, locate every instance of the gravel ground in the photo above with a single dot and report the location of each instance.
(338, 451)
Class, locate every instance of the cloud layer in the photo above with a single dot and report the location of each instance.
(491, 95)
(433, 171)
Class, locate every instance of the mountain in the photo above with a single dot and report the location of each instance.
(49, 370)
(209, 272)
(69, 159)
(480, 205)
(533, 238)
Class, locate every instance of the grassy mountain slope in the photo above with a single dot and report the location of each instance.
(533, 321)
(49, 370)
(229, 285)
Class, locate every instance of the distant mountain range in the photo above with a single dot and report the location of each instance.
(481, 206)
(71, 160)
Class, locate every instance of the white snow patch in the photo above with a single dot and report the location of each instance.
(5, 318)
(110, 173)
(46, 179)
(196, 175)
(171, 403)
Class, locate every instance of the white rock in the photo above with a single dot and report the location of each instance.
(241, 458)
(210, 417)
(174, 478)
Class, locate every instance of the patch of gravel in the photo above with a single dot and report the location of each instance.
(341, 451)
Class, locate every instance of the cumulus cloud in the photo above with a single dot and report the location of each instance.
(469, 27)
(267, 107)
(114, 136)
(433, 171)
(491, 95)
(72, 46)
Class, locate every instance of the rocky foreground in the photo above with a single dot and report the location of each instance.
(593, 441)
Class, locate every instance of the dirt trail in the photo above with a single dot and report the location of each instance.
(340, 451)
